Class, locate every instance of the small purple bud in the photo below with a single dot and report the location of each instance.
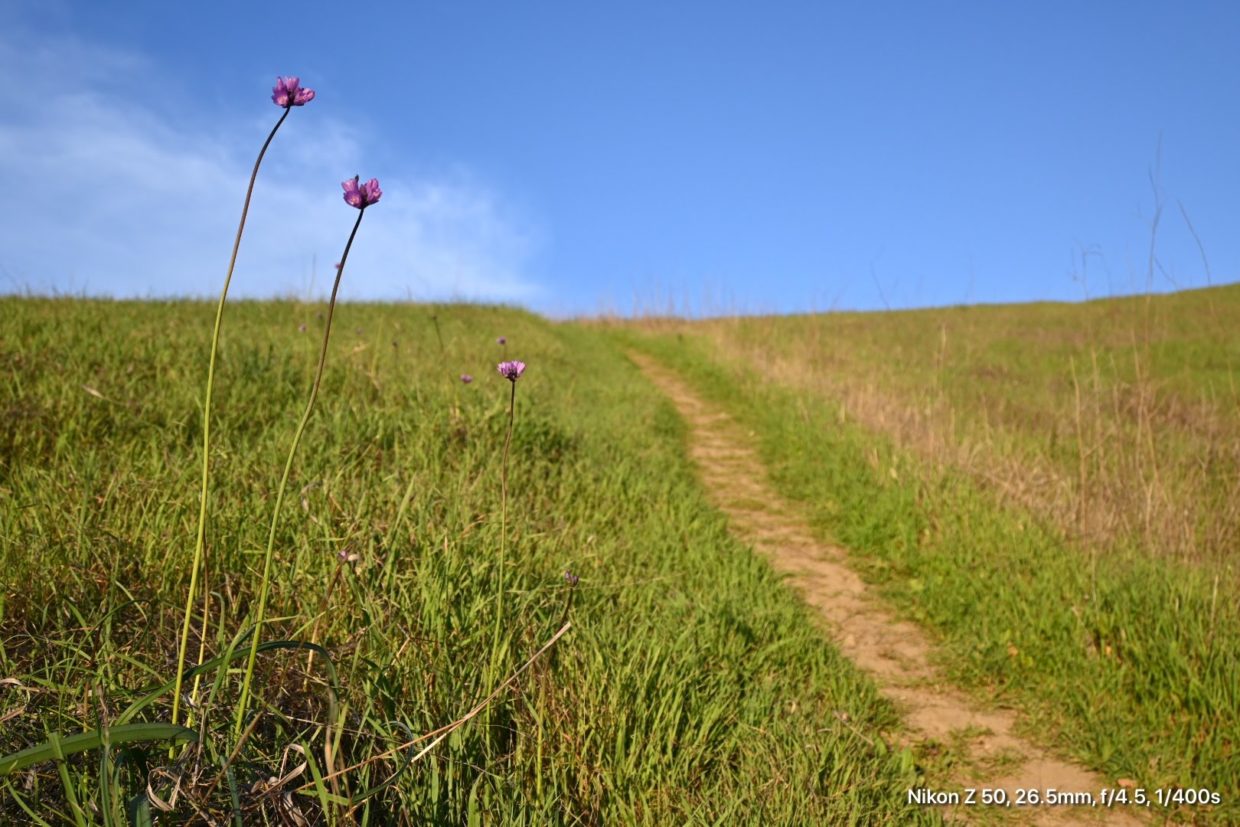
(570, 578)
(502, 340)
(466, 378)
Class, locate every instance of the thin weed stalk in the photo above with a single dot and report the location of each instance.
(512, 371)
(503, 520)
(438, 335)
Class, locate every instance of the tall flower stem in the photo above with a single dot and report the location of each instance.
(264, 587)
(503, 521)
(200, 542)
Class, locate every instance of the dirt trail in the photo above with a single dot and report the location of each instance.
(895, 653)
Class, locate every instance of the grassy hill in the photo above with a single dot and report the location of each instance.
(1117, 419)
(1052, 490)
(691, 687)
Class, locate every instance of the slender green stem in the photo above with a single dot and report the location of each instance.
(438, 335)
(264, 587)
(503, 522)
(200, 542)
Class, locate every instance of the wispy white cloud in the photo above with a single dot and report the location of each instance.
(108, 194)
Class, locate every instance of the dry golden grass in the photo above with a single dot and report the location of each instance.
(1117, 420)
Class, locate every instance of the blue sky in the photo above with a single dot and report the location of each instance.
(581, 157)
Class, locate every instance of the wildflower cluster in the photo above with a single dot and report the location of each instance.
(289, 94)
(286, 94)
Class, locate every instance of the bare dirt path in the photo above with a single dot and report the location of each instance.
(895, 653)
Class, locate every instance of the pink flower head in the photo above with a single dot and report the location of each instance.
(289, 92)
(361, 195)
(511, 370)
(466, 378)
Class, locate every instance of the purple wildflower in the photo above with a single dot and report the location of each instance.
(288, 92)
(570, 578)
(466, 378)
(502, 340)
(511, 370)
(361, 195)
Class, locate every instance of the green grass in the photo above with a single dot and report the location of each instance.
(1116, 420)
(692, 688)
(1121, 657)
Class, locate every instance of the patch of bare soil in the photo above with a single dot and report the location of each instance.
(895, 653)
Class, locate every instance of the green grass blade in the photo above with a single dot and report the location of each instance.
(56, 747)
(139, 809)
